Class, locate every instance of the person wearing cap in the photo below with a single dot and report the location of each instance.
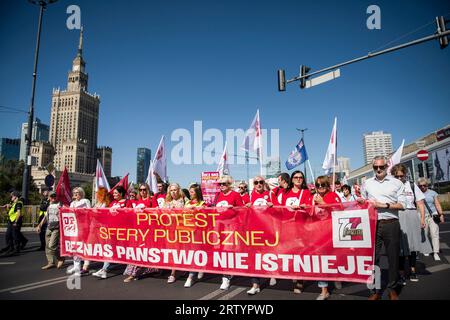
(14, 238)
(51, 219)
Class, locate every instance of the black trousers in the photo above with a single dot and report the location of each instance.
(43, 230)
(14, 238)
(388, 233)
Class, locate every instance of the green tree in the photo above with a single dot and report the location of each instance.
(11, 175)
(87, 187)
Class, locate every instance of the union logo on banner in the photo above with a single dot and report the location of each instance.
(70, 226)
(351, 229)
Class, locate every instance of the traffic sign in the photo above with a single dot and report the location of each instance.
(422, 155)
(49, 180)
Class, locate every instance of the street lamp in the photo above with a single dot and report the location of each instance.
(27, 169)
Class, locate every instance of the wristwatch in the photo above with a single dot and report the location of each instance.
(388, 205)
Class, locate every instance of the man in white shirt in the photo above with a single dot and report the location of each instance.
(387, 195)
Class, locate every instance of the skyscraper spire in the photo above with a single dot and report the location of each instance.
(80, 46)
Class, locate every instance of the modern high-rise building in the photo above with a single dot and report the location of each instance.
(74, 121)
(9, 148)
(144, 156)
(104, 155)
(40, 132)
(375, 144)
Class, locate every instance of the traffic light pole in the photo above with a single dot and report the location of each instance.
(439, 34)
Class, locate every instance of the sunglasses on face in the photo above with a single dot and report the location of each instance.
(142, 189)
(223, 183)
(258, 182)
(422, 186)
(298, 177)
(319, 185)
(399, 177)
(379, 167)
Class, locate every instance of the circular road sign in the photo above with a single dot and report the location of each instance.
(422, 155)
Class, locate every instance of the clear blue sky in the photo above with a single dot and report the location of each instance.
(160, 65)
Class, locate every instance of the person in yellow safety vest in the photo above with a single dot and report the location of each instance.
(14, 238)
(42, 211)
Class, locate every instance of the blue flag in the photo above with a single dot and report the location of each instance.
(297, 156)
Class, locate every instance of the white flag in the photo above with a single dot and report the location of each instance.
(100, 178)
(223, 168)
(396, 157)
(151, 179)
(330, 158)
(160, 163)
(253, 136)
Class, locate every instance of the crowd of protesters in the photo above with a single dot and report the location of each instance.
(408, 215)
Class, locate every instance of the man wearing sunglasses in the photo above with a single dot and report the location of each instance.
(386, 194)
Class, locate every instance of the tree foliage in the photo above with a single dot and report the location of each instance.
(11, 175)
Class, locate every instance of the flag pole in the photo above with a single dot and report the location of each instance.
(335, 154)
(260, 146)
(312, 175)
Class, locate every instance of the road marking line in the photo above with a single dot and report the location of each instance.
(438, 268)
(6, 263)
(39, 286)
(444, 231)
(32, 284)
(232, 294)
(211, 295)
(444, 246)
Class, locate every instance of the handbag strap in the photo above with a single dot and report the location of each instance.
(428, 207)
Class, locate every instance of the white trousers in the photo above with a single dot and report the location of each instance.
(432, 230)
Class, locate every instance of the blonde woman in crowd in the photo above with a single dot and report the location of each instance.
(174, 199)
(196, 201)
(79, 201)
(433, 216)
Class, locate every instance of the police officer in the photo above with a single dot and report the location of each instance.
(14, 238)
(42, 210)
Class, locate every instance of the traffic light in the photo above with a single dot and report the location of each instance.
(443, 41)
(281, 80)
(303, 71)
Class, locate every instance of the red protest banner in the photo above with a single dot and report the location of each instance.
(332, 242)
(209, 186)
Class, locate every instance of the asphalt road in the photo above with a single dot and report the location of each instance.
(21, 278)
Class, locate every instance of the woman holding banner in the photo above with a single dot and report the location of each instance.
(79, 201)
(227, 198)
(174, 199)
(143, 201)
(323, 196)
(258, 197)
(196, 201)
(119, 201)
(296, 195)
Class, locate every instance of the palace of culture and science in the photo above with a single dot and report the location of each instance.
(73, 131)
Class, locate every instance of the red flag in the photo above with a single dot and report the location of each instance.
(123, 183)
(63, 190)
